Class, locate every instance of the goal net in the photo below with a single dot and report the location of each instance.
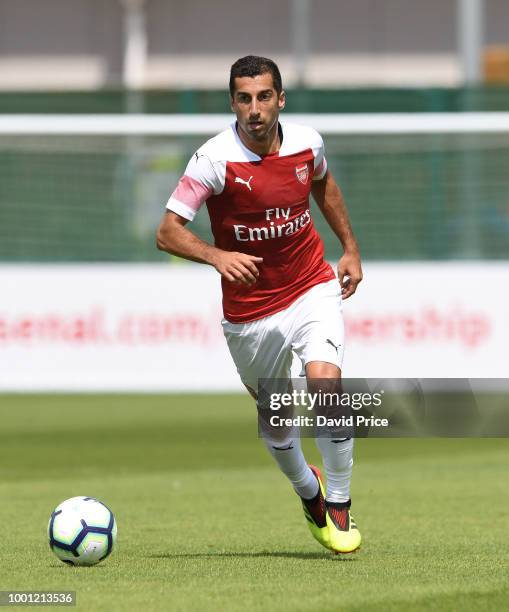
(93, 188)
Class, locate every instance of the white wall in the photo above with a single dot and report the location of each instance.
(156, 327)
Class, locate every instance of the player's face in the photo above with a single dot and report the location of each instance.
(257, 106)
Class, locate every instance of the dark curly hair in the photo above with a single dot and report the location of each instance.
(253, 65)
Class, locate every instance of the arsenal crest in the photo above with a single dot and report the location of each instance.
(302, 173)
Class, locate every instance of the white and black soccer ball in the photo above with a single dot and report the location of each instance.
(82, 531)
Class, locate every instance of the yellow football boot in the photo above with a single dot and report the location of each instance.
(344, 535)
(316, 513)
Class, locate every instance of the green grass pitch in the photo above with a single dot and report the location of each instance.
(207, 522)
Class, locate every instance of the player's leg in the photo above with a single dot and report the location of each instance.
(319, 341)
(336, 450)
(337, 457)
(260, 349)
(284, 445)
(290, 459)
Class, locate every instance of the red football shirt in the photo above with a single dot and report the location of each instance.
(260, 206)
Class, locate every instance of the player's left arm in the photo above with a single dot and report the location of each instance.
(329, 198)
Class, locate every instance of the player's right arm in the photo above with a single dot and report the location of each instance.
(203, 178)
(174, 238)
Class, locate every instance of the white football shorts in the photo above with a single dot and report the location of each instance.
(311, 328)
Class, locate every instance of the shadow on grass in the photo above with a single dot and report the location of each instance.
(255, 555)
(68, 567)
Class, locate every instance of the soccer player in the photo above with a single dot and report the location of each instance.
(279, 295)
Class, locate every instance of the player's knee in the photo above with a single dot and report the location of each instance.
(322, 370)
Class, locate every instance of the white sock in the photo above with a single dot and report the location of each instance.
(337, 462)
(291, 461)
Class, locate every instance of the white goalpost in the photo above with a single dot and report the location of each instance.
(181, 125)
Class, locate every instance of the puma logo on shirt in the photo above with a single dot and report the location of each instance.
(246, 183)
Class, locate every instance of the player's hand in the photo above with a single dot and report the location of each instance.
(349, 273)
(238, 268)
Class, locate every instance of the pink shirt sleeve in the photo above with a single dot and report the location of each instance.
(199, 182)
